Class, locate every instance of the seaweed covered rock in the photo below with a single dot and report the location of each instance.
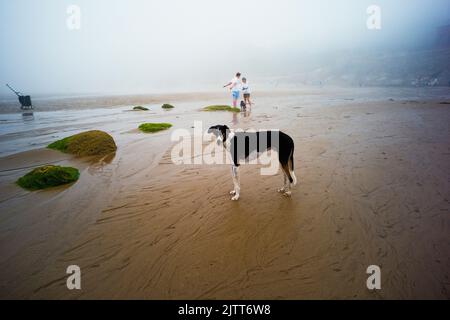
(140, 108)
(221, 108)
(48, 176)
(167, 106)
(154, 127)
(89, 143)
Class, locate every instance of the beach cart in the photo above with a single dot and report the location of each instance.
(25, 101)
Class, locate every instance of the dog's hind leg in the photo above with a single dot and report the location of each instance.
(291, 168)
(236, 183)
(286, 190)
(283, 189)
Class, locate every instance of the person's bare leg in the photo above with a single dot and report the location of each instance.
(235, 101)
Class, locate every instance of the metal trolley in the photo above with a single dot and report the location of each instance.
(25, 101)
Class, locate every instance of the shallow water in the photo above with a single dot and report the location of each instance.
(22, 131)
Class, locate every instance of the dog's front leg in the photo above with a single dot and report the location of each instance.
(236, 183)
(285, 185)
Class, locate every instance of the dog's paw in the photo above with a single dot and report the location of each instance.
(287, 194)
(233, 192)
(235, 198)
(282, 190)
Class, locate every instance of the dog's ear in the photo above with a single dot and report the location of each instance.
(223, 129)
(213, 129)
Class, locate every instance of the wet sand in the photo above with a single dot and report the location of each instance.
(373, 189)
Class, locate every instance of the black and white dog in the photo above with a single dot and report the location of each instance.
(239, 146)
(243, 106)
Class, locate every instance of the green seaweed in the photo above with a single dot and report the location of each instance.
(60, 145)
(89, 143)
(140, 108)
(221, 108)
(167, 106)
(154, 127)
(48, 176)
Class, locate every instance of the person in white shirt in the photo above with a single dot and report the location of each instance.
(246, 92)
(235, 86)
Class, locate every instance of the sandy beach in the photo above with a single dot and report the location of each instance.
(373, 171)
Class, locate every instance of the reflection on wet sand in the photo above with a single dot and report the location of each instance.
(28, 116)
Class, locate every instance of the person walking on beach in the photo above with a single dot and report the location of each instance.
(235, 86)
(246, 92)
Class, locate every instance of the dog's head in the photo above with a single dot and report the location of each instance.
(220, 131)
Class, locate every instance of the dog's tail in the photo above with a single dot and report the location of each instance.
(292, 177)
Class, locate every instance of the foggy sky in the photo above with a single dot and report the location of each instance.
(139, 46)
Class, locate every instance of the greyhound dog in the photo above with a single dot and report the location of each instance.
(239, 146)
